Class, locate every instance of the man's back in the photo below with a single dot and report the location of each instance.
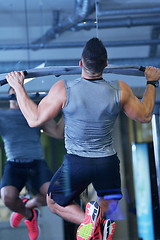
(90, 112)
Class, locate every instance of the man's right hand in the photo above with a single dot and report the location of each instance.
(152, 73)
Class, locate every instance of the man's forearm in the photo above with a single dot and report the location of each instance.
(149, 100)
(27, 106)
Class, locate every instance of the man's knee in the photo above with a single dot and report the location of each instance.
(7, 199)
(9, 196)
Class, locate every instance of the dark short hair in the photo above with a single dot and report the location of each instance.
(94, 56)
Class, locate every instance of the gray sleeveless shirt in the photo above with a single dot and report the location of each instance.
(20, 140)
(90, 113)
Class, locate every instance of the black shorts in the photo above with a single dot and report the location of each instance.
(32, 175)
(76, 173)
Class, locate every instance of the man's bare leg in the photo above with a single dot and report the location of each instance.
(72, 212)
(11, 199)
(39, 199)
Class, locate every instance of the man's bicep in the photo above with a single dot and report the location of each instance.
(48, 108)
(130, 104)
(132, 108)
(52, 104)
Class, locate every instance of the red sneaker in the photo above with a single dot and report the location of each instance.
(15, 217)
(105, 230)
(33, 228)
(97, 233)
(108, 229)
(93, 217)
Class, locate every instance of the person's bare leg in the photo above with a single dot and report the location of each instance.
(10, 198)
(72, 213)
(39, 199)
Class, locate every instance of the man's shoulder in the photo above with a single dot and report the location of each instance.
(71, 82)
(123, 85)
(114, 84)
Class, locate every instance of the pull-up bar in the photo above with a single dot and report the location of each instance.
(72, 70)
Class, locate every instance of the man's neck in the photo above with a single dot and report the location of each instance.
(88, 75)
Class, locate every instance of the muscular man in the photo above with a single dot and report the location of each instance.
(25, 165)
(90, 106)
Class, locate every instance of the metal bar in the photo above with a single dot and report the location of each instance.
(14, 66)
(121, 22)
(73, 70)
(76, 44)
(156, 144)
(131, 11)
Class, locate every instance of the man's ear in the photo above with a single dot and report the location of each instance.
(80, 63)
(106, 63)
